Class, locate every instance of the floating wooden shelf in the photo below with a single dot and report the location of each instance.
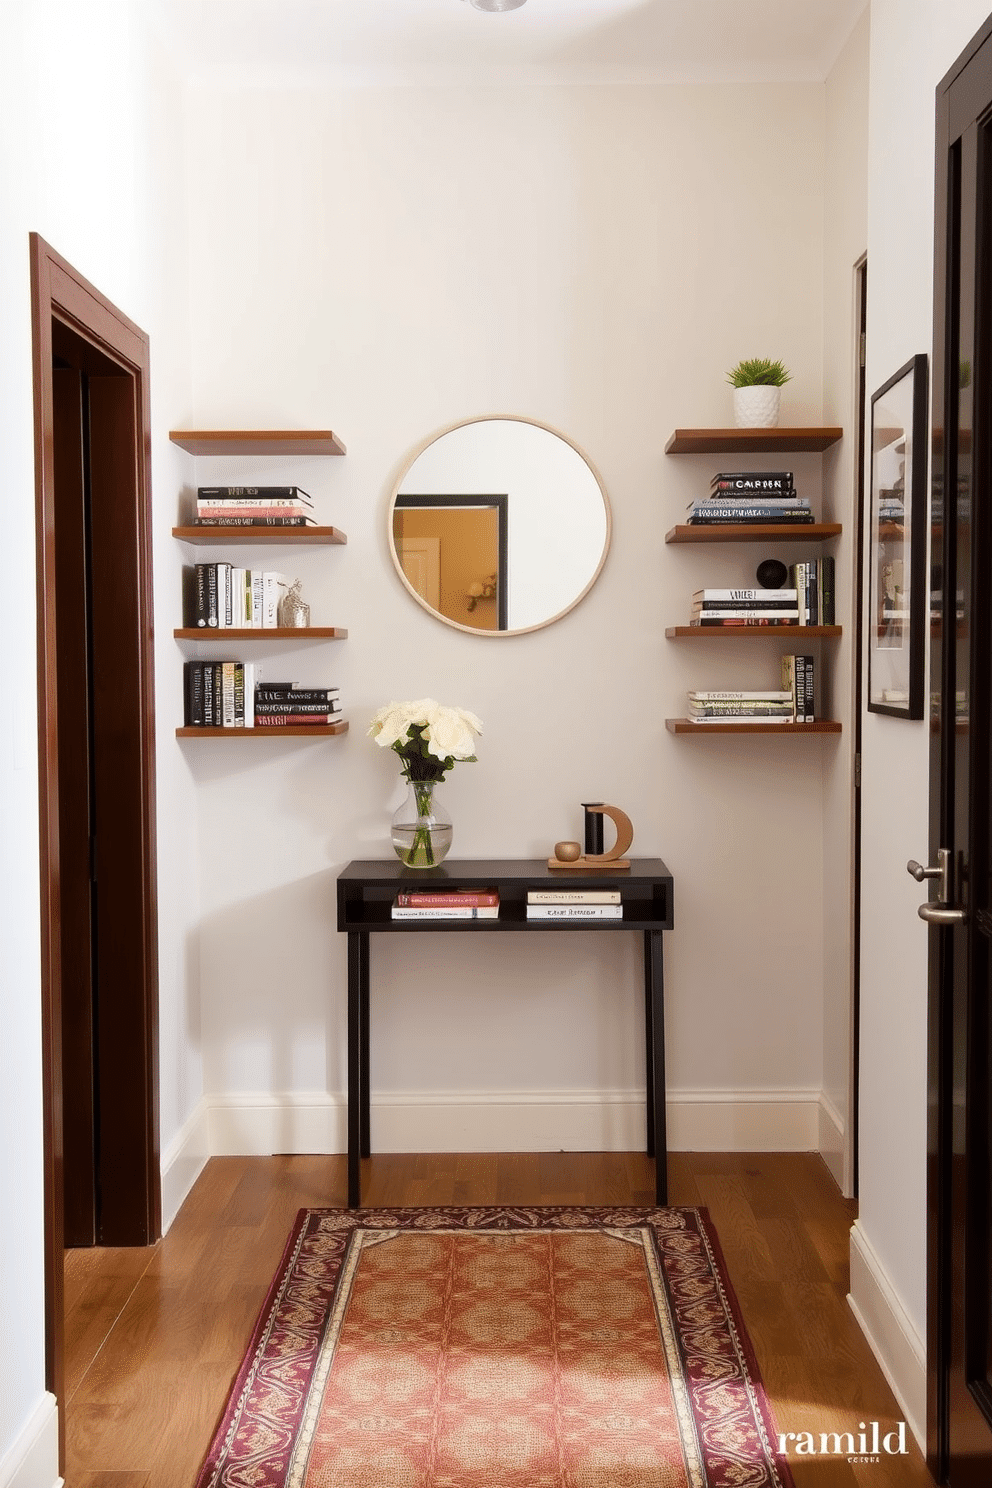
(257, 441)
(316, 731)
(766, 632)
(728, 532)
(262, 633)
(751, 441)
(205, 537)
(686, 726)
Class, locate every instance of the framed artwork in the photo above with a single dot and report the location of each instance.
(897, 537)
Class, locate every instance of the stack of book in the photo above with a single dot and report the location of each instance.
(814, 587)
(798, 675)
(752, 497)
(254, 506)
(225, 694)
(289, 705)
(745, 607)
(574, 904)
(223, 596)
(456, 904)
(765, 706)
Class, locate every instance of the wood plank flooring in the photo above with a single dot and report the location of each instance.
(154, 1336)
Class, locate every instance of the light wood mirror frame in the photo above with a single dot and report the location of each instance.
(398, 493)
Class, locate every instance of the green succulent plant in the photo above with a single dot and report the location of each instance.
(758, 372)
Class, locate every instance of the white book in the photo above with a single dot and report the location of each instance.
(273, 588)
(445, 912)
(239, 503)
(256, 577)
(743, 718)
(573, 896)
(771, 596)
(575, 911)
(238, 598)
(731, 697)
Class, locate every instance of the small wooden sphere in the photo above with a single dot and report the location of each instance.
(567, 852)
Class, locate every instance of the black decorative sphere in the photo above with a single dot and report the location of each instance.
(771, 574)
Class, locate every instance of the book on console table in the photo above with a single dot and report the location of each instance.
(412, 898)
(573, 896)
(575, 911)
(445, 911)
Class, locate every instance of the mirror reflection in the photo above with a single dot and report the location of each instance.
(499, 525)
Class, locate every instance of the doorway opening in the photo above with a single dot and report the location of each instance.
(96, 737)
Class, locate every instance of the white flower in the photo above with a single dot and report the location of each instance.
(450, 731)
(444, 734)
(391, 724)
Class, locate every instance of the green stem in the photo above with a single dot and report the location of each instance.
(422, 794)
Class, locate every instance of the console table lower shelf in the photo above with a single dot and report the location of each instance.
(365, 893)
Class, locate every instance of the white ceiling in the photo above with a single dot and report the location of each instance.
(418, 41)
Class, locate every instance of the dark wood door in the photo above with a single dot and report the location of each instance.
(960, 1136)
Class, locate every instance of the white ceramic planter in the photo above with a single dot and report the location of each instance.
(756, 407)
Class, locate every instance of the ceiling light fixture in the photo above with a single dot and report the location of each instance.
(497, 4)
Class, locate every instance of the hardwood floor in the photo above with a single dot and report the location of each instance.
(153, 1336)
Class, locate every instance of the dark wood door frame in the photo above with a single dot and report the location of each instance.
(60, 297)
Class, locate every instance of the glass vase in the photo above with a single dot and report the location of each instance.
(421, 827)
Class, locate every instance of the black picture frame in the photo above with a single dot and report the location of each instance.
(897, 542)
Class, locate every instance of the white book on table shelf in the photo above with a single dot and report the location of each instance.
(575, 911)
(445, 912)
(573, 896)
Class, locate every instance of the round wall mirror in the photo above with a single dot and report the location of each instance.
(499, 525)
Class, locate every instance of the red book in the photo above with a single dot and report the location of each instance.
(284, 720)
(442, 900)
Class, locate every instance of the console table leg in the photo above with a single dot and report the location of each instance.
(654, 980)
(366, 1080)
(358, 970)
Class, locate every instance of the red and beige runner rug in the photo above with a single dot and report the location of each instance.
(498, 1348)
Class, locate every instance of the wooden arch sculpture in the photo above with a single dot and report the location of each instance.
(569, 856)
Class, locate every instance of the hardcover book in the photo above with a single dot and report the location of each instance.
(464, 897)
(575, 911)
(573, 896)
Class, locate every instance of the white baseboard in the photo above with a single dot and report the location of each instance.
(830, 1139)
(515, 1121)
(890, 1331)
(183, 1161)
(742, 1120)
(32, 1460)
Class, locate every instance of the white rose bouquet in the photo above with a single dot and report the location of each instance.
(429, 739)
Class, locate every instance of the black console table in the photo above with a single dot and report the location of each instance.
(366, 891)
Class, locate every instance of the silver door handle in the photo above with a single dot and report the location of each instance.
(942, 914)
(942, 911)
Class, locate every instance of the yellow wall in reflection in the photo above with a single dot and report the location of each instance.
(469, 553)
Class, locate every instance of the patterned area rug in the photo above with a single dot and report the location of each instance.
(498, 1348)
